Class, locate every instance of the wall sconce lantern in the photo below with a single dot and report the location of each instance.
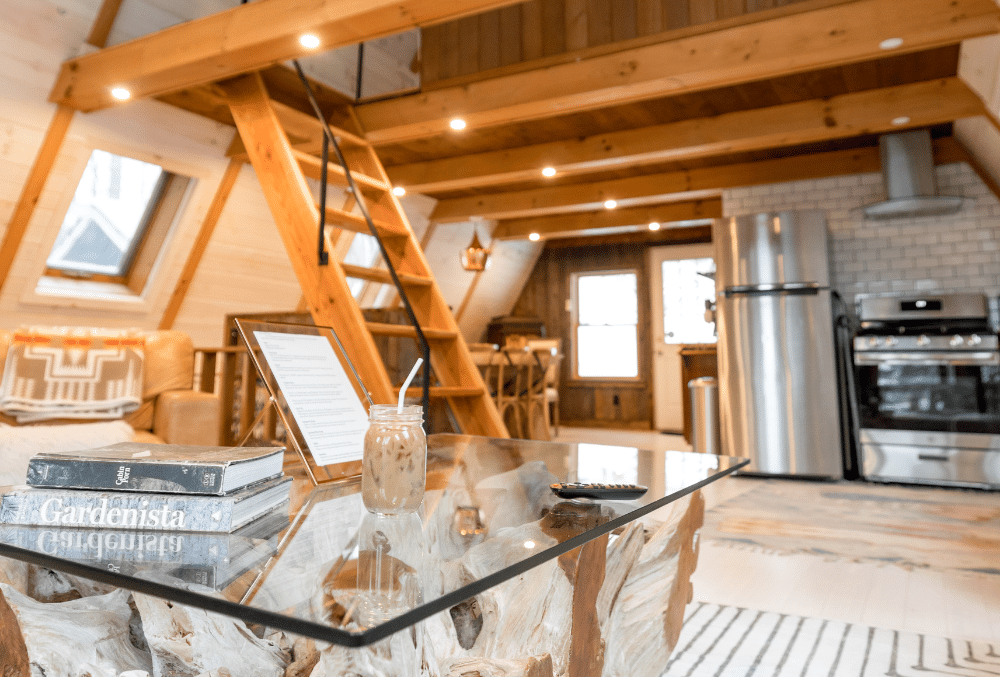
(475, 257)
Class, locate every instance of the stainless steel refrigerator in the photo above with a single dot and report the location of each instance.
(778, 393)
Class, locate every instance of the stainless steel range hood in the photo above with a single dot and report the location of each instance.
(908, 168)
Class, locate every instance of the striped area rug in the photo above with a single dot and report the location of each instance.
(725, 641)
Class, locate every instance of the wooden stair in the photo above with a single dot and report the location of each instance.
(279, 142)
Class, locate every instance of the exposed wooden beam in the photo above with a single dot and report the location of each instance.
(661, 186)
(789, 44)
(674, 236)
(105, 20)
(922, 103)
(201, 243)
(32, 190)
(244, 38)
(547, 226)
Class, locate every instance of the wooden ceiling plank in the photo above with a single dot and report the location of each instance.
(873, 111)
(547, 226)
(789, 44)
(245, 38)
(566, 198)
(673, 236)
(664, 186)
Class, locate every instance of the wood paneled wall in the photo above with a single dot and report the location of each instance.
(548, 28)
(624, 403)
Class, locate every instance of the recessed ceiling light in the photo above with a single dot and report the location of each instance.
(891, 43)
(309, 41)
(549, 171)
(534, 237)
(901, 120)
(121, 93)
(654, 226)
(457, 123)
(399, 191)
(610, 204)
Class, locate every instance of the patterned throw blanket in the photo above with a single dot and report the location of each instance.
(78, 373)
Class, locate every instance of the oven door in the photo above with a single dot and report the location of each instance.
(929, 417)
(948, 392)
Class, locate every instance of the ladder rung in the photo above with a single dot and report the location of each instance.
(297, 123)
(446, 391)
(379, 275)
(407, 331)
(311, 166)
(356, 223)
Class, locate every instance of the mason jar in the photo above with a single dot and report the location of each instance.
(394, 467)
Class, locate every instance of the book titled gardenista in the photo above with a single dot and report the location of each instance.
(47, 506)
(176, 468)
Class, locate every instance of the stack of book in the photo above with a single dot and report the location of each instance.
(127, 506)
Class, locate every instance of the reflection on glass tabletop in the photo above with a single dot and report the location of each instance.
(335, 572)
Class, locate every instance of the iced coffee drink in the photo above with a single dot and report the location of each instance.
(394, 470)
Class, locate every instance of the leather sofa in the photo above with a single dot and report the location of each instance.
(171, 411)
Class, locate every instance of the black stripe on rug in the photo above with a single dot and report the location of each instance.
(725, 641)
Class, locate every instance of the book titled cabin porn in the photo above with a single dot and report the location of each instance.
(45, 506)
(135, 466)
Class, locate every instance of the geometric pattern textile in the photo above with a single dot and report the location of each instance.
(726, 641)
(72, 372)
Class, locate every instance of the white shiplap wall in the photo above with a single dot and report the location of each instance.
(245, 268)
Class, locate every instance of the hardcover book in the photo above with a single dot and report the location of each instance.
(174, 468)
(211, 559)
(56, 507)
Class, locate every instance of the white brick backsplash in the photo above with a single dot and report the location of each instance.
(958, 252)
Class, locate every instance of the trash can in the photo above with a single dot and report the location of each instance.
(705, 414)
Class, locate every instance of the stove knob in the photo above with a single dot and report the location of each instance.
(874, 341)
(974, 340)
(923, 340)
(956, 340)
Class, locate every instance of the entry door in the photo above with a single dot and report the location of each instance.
(675, 283)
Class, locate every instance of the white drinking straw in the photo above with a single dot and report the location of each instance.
(406, 384)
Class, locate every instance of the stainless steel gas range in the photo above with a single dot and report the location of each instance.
(927, 381)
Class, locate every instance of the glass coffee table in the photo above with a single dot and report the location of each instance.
(334, 572)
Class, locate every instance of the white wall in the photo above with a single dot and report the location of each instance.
(956, 253)
(245, 268)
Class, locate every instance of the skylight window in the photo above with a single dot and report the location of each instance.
(111, 208)
(118, 220)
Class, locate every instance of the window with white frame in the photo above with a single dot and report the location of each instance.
(606, 324)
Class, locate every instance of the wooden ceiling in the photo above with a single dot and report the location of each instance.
(660, 120)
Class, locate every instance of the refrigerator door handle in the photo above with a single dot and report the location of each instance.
(788, 289)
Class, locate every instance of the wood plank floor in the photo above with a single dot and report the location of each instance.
(946, 603)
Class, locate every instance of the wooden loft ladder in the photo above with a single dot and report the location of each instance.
(282, 170)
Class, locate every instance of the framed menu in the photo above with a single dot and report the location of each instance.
(316, 392)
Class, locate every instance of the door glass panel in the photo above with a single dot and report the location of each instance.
(687, 285)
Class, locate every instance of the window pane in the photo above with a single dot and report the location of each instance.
(608, 299)
(607, 351)
(106, 214)
(685, 290)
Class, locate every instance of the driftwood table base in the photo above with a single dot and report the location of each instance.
(613, 607)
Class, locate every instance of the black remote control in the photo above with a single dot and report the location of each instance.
(614, 492)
